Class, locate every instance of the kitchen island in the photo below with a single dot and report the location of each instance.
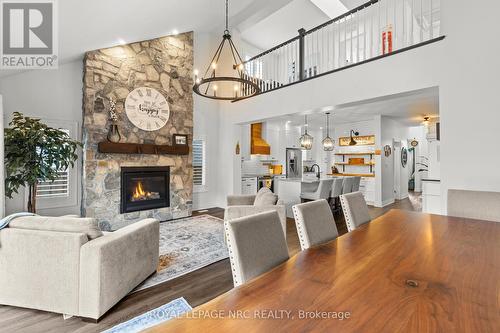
(289, 190)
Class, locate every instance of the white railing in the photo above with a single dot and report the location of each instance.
(375, 29)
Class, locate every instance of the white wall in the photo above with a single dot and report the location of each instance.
(206, 124)
(56, 97)
(393, 130)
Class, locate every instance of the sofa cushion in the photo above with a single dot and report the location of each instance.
(265, 198)
(86, 226)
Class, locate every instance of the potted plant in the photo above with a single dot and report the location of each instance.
(35, 152)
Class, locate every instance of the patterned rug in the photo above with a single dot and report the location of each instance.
(152, 318)
(187, 245)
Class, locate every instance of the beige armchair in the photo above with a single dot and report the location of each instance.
(67, 265)
(243, 205)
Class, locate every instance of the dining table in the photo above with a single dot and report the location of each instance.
(402, 272)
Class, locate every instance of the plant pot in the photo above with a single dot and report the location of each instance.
(114, 134)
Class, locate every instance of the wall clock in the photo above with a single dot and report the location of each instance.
(147, 109)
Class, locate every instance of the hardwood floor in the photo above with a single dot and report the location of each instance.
(197, 288)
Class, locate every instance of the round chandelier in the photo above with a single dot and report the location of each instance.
(234, 83)
(306, 141)
(328, 143)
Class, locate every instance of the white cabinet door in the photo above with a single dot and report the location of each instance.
(245, 142)
(249, 186)
(367, 187)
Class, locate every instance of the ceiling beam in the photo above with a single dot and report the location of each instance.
(256, 12)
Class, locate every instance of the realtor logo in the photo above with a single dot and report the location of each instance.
(28, 34)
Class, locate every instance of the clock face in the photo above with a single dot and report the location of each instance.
(147, 109)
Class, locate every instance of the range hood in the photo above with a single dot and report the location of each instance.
(258, 146)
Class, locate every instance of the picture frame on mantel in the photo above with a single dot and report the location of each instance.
(179, 139)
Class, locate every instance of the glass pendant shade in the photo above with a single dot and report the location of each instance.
(306, 141)
(328, 143)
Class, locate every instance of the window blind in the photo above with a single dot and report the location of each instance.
(199, 162)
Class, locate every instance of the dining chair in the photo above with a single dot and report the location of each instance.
(315, 223)
(355, 210)
(355, 184)
(474, 204)
(347, 185)
(256, 244)
(336, 191)
(322, 192)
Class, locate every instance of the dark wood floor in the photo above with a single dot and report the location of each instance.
(197, 288)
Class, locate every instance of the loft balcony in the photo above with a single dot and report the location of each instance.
(374, 30)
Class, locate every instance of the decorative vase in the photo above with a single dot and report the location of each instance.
(114, 134)
(238, 148)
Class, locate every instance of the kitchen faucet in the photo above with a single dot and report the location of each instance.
(318, 174)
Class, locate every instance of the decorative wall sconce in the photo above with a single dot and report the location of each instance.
(353, 142)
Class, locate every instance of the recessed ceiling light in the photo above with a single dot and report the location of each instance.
(121, 41)
(175, 32)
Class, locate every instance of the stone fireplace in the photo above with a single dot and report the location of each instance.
(144, 188)
(165, 65)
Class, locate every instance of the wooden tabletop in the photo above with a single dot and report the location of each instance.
(403, 272)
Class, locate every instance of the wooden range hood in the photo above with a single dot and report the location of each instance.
(258, 146)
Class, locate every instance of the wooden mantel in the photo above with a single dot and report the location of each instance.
(136, 148)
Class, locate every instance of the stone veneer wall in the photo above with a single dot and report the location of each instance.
(166, 65)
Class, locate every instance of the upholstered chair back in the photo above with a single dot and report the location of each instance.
(315, 223)
(347, 185)
(355, 210)
(474, 204)
(337, 187)
(256, 244)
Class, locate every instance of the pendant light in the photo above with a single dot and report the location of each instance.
(328, 143)
(229, 87)
(306, 141)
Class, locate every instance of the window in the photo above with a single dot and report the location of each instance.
(63, 192)
(199, 161)
(57, 188)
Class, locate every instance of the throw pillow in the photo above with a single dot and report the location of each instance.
(265, 198)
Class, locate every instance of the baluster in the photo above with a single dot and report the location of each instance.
(394, 34)
(411, 22)
(421, 21)
(357, 37)
(431, 29)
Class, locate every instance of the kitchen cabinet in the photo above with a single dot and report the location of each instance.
(431, 196)
(249, 185)
(367, 187)
(245, 142)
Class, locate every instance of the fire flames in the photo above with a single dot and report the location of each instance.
(140, 194)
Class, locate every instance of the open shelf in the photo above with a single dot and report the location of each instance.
(354, 164)
(356, 153)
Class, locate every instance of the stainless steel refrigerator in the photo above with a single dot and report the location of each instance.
(293, 163)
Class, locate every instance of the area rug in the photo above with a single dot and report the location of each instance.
(186, 245)
(152, 318)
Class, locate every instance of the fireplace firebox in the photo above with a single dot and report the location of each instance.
(144, 188)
